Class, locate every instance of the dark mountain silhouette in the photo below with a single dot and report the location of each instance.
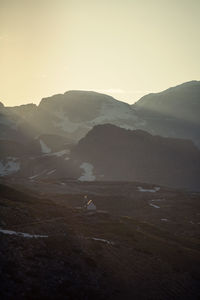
(119, 154)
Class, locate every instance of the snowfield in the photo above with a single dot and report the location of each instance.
(88, 172)
(25, 235)
(44, 148)
(154, 190)
(51, 172)
(102, 240)
(155, 206)
(59, 153)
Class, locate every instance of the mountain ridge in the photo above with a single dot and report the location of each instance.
(139, 156)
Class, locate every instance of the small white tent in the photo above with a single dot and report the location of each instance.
(90, 205)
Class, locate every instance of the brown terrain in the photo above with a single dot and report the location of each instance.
(142, 243)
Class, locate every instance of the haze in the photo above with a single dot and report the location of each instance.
(123, 48)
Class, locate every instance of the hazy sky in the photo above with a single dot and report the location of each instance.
(125, 48)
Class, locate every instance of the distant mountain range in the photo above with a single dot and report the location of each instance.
(171, 113)
(41, 141)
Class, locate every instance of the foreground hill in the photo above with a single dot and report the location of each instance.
(114, 153)
(51, 251)
(173, 112)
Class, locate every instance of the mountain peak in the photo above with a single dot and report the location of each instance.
(190, 83)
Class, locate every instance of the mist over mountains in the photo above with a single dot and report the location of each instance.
(56, 139)
(173, 112)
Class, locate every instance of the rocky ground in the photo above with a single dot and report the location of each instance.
(142, 243)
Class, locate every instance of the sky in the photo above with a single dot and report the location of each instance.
(124, 48)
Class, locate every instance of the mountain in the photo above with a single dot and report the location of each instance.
(43, 135)
(112, 153)
(36, 141)
(173, 112)
(143, 239)
(76, 112)
(70, 115)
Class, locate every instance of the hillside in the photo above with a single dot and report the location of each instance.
(50, 250)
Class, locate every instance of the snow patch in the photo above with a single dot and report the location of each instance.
(154, 190)
(44, 147)
(26, 235)
(34, 176)
(10, 167)
(51, 172)
(102, 240)
(156, 206)
(59, 153)
(88, 172)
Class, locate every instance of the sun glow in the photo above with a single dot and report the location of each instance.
(123, 48)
